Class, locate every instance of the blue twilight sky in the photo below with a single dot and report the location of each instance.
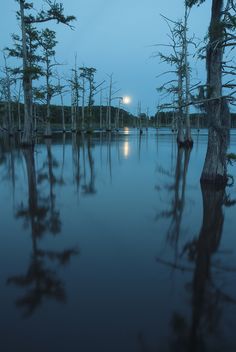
(117, 37)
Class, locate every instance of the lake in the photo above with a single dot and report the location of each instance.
(109, 243)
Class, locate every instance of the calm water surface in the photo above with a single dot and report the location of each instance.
(108, 243)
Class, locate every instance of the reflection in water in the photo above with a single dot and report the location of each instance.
(76, 161)
(177, 188)
(126, 149)
(116, 298)
(208, 298)
(109, 158)
(89, 186)
(41, 216)
(126, 130)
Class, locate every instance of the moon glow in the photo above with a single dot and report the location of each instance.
(126, 100)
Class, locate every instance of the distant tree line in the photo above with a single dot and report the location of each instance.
(160, 119)
(99, 116)
(198, 120)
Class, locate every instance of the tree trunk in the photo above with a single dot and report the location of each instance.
(107, 112)
(27, 138)
(48, 130)
(63, 114)
(188, 137)
(180, 135)
(34, 107)
(9, 120)
(83, 103)
(215, 168)
(19, 116)
(109, 104)
(118, 117)
(90, 106)
(173, 122)
(9, 105)
(100, 124)
(73, 121)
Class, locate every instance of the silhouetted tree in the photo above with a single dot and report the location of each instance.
(220, 36)
(47, 43)
(55, 12)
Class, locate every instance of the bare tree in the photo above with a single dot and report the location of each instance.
(88, 74)
(180, 85)
(75, 96)
(111, 96)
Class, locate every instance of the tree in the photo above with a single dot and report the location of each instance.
(34, 69)
(75, 96)
(88, 74)
(179, 86)
(111, 96)
(82, 76)
(220, 36)
(188, 137)
(55, 12)
(61, 91)
(8, 81)
(48, 43)
(17, 97)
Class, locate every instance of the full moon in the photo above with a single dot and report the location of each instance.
(126, 100)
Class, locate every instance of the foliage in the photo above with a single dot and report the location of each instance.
(55, 11)
(231, 158)
(32, 44)
(88, 73)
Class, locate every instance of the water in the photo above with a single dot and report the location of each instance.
(108, 243)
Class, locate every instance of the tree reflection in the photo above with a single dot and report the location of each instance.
(9, 154)
(35, 212)
(89, 186)
(109, 153)
(207, 298)
(41, 216)
(76, 159)
(177, 188)
(197, 257)
(46, 177)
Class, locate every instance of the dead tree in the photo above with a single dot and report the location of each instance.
(179, 86)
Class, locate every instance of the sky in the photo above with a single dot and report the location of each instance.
(117, 37)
